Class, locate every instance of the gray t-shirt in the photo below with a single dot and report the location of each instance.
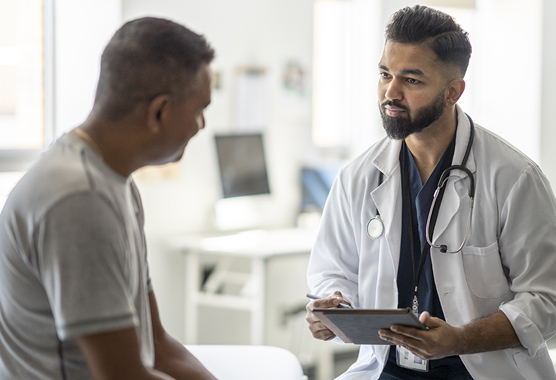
(72, 262)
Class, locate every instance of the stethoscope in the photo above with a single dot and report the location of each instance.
(375, 226)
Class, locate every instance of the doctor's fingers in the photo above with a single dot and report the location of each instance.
(412, 344)
(310, 317)
(418, 347)
(332, 301)
(323, 303)
(320, 331)
(426, 344)
(317, 328)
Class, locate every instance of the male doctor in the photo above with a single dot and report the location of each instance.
(485, 284)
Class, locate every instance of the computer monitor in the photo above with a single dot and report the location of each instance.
(242, 164)
(246, 195)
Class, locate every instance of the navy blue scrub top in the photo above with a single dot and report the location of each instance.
(421, 199)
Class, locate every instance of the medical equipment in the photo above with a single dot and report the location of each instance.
(439, 193)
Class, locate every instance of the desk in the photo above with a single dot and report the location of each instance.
(259, 246)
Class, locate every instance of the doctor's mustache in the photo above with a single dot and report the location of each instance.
(393, 103)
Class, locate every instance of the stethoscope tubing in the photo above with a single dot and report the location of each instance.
(443, 179)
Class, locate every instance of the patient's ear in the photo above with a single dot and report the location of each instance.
(156, 113)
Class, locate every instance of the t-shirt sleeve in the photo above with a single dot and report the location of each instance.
(81, 255)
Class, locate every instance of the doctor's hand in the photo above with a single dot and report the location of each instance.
(317, 328)
(438, 341)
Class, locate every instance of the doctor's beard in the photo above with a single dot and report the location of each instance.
(398, 128)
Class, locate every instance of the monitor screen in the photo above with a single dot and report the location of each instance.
(242, 164)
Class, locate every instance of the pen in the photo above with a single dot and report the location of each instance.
(341, 305)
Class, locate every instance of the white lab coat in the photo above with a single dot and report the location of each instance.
(508, 262)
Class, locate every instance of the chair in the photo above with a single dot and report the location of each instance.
(233, 362)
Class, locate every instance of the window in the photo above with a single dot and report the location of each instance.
(22, 79)
(346, 48)
(23, 120)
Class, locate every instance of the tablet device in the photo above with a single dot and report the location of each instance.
(360, 326)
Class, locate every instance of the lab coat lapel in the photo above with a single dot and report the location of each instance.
(456, 193)
(387, 197)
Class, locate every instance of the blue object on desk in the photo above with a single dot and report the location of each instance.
(316, 183)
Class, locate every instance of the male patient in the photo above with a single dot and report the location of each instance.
(76, 301)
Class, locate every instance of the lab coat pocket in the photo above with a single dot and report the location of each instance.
(538, 367)
(483, 271)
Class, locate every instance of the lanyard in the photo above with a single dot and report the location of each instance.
(409, 216)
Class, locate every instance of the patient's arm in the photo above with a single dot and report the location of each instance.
(116, 355)
(171, 357)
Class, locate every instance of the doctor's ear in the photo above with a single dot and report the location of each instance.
(156, 113)
(454, 90)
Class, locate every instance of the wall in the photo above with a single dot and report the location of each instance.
(506, 91)
(81, 30)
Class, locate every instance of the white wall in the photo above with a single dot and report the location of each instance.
(506, 76)
(347, 47)
(81, 30)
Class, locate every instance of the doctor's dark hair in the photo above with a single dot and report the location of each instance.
(145, 58)
(417, 24)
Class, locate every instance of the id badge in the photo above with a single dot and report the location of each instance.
(406, 359)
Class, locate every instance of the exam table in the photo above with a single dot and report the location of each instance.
(248, 362)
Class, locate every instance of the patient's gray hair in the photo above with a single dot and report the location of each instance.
(147, 57)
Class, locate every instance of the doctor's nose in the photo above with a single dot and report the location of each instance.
(393, 91)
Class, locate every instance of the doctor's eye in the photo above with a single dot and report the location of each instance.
(413, 81)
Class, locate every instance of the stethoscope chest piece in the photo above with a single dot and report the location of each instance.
(375, 227)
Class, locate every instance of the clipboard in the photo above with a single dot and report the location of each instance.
(360, 326)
